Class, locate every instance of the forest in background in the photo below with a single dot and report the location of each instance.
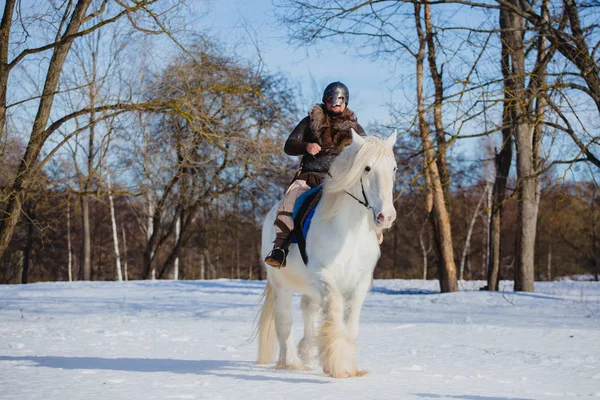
(133, 149)
(226, 244)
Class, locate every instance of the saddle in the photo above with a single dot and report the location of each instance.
(304, 209)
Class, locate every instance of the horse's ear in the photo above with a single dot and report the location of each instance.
(391, 140)
(357, 140)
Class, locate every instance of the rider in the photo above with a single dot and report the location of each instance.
(319, 138)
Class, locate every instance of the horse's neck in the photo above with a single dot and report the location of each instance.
(352, 216)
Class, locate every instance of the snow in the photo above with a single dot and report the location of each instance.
(186, 340)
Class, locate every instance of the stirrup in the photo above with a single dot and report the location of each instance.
(277, 257)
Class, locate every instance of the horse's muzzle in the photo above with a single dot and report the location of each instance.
(385, 219)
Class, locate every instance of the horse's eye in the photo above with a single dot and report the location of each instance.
(367, 168)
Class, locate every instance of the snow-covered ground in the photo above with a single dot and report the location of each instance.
(185, 340)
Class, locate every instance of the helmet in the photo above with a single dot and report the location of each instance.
(334, 91)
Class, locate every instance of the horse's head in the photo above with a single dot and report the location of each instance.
(366, 170)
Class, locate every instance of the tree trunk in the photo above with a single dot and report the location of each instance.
(470, 232)
(202, 266)
(5, 27)
(177, 234)
(528, 125)
(439, 217)
(218, 239)
(184, 220)
(257, 251)
(125, 267)
(494, 248)
(114, 231)
(527, 211)
(487, 231)
(503, 157)
(237, 251)
(86, 249)
(594, 255)
(69, 248)
(250, 268)
(423, 252)
(469, 269)
(549, 277)
(27, 169)
(438, 85)
(395, 251)
(154, 229)
(211, 266)
(237, 234)
(149, 253)
(28, 245)
(524, 141)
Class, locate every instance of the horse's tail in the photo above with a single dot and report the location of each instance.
(267, 335)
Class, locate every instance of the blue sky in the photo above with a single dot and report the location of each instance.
(313, 68)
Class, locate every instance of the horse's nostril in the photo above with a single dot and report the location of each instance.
(380, 217)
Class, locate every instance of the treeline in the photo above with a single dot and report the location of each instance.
(225, 239)
(567, 230)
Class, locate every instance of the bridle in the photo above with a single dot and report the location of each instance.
(364, 202)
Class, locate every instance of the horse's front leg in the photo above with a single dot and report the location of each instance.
(337, 350)
(283, 323)
(354, 306)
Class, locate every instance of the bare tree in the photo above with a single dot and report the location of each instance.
(70, 20)
(503, 159)
(526, 110)
(229, 112)
(437, 208)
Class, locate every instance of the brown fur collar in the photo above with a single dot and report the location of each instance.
(332, 132)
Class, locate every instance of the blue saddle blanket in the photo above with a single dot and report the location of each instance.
(306, 196)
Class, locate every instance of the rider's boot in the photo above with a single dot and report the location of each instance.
(277, 257)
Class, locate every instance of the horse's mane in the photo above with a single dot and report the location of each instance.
(347, 169)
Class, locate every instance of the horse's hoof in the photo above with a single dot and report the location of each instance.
(293, 366)
(337, 374)
(344, 374)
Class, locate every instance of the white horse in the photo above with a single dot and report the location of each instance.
(342, 249)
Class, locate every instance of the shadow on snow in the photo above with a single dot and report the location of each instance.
(384, 290)
(466, 397)
(200, 367)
